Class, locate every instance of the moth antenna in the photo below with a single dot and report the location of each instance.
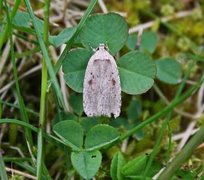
(93, 49)
(106, 45)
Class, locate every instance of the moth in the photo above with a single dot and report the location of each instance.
(101, 87)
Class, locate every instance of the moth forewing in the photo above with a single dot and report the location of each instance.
(101, 88)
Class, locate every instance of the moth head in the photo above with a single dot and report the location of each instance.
(102, 46)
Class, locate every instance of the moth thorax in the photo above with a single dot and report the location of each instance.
(102, 47)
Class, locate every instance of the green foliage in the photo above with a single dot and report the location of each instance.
(23, 22)
(89, 122)
(183, 174)
(100, 136)
(135, 166)
(74, 68)
(71, 133)
(136, 69)
(84, 135)
(21, 19)
(75, 100)
(86, 163)
(3, 174)
(168, 70)
(116, 165)
(134, 110)
(149, 41)
(64, 36)
(137, 72)
(110, 29)
(122, 169)
(96, 137)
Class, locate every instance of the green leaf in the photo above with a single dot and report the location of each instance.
(184, 174)
(110, 29)
(76, 102)
(100, 136)
(168, 70)
(134, 169)
(62, 37)
(137, 71)
(119, 122)
(148, 42)
(74, 67)
(154, 169)
(134, 110)
(86, 163)
(61, 115)
(21, 19)
(88, 122)
(135, 166)
(116, 165)
(71, 133)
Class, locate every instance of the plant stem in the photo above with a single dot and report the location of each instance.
(43, 95)
(184, 154)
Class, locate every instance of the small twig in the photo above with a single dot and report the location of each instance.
(4, 56)
(102, 6)
(200, 97)
(124, 145)
(64, 87)
(183, 155)
(2, 131)
(36, 68)
(3, 94)
(199, 113)
(164, 19)
(178, 111)
(81, 3)
(188, 133)
(139, 39)
(14, 171)
(62, 81)
(181, 135)
(190, 82)
(18, 150)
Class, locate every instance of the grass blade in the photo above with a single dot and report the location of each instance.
(79, 27)
(48, 137)
(3, 174)
(6, 29)
(43, 96)
(165, 110)
(167, 119)
(185, 153)
(51, 72)
(23, 111)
